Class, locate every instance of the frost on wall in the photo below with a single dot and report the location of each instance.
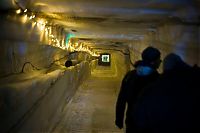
(14, 55)
(180, 39)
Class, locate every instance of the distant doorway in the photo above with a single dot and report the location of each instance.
(104, 59)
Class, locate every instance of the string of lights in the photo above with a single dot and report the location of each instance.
(46, 29)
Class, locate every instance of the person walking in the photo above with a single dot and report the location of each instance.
(144, 73)
(171, 104)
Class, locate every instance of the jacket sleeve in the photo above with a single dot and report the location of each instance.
(121, 102)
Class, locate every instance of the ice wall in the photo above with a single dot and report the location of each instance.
(24, 56)
(25, 47)
(120, 64)
(35, 103)
(34, 83)
(182, 39)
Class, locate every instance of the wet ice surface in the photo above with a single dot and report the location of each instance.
(92, 109)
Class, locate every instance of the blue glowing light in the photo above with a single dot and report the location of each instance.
(68, 36)
(22, 48)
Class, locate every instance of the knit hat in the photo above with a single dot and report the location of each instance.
(173, 61)
(150, 54)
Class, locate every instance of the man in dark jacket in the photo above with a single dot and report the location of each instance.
(145, 72)
(171, 104)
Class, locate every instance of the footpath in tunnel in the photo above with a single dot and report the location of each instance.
(92, 109)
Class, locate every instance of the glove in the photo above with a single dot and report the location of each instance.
(119, 124)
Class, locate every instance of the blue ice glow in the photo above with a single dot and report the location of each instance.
(22, 49)
(68, 36)
(153, 11)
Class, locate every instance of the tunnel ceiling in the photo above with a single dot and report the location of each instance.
(110, 22)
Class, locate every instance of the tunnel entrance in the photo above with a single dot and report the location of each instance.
(104, 59)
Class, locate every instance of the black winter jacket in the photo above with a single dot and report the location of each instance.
(131, 87)
(171, 105)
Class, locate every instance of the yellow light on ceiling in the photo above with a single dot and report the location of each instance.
(24, 19)
(25, 10)
(18, 11)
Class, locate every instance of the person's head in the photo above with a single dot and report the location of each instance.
(173, 61)
(151, 57)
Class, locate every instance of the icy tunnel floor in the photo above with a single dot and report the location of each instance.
(92, 109)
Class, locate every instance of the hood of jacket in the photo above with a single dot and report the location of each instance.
(144, 70)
